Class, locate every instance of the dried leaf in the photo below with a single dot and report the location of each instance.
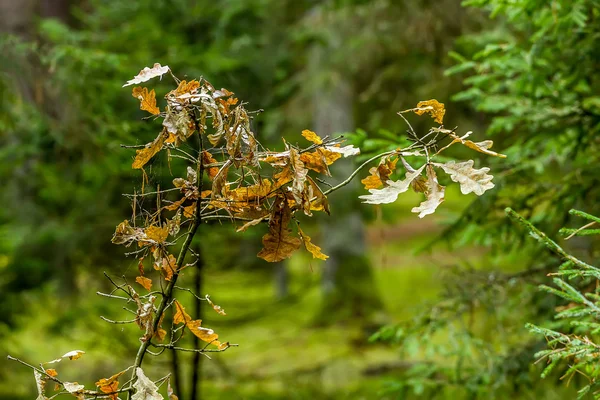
(156, 233)
(187, 87)
(435, 195)
(145, 282)
(142, 156)
(433, 108)
(300, 173)
(312, 137)
(207, 158)
(346, 151)
(73, 387)
(40, 384)
(52, 372)
(283, 177)
(278, 243)
(250, 223)
(205, 334)
(74, 354)
(147, 99)
(482, 147)
(148, 73)
(168, 265)
(110, 385)
(215, 307)
(380, 174)
(160, 334)
(145, 389)
(390, 194)
(170, 392)
(319, 201)
(470, 179)
(180, 317)
(311, 247)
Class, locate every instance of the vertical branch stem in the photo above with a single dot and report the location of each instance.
(196, 361)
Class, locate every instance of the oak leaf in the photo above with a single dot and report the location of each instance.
(346, 151)
(156, 233)
(433, 108)
(145, 282)
(147, 99)
(312, 137)
(73, 387)
(390, 193)
(482, 147)
(207, 158)
(469, 178)
(142, 156)
(110, 385)
(204, 334)
(380, 174)
(145, 389)
(434, 194)
(311, 247)
(148, 73)
(278, 242)
(180, 316)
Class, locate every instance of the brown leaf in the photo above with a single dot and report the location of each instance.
(312, 137)
(433, 108)
(311, 247)
(319, 201)
(51, 372)
(278, 243)
(142, 156)
(147, 99)
(434, 193)
(160, 334)
(110, 385)
(145, 282)
(248, 224)
(207, 158)
(390, 193)
(283, 177)
(168, 266)
(187, 87)
(380, 174)
(300, 173)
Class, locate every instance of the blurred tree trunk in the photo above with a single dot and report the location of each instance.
(348, 287)
(281, 280)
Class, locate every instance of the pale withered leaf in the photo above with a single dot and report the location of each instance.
(434, 193)
(390, 194)
(148, 73)
(469, 178)
(145, 389)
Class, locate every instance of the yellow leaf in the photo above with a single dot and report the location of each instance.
(187, 87)
(51, 372)
(278, 243)
(311, 247)
(156, 233)
(145, 282)
(482, 147)
(433, 108)
(180, 315)
(147, 99)
(160, 334)
(144, 155)
(110, 385)
(168, 266)
(319, 159)
(205, 334)
(189, 211)
(312, 137)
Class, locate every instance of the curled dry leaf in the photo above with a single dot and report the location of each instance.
(311, 247)
(207, 158)
(380, 174)
(431, 107)
(215, 307)
(145, 389)
(147, 99)
(52, 372)
(148, 73)
(312, 137)
(73, 387)
(483, 147)
(390, 193)
(170, 392)
(180, 316)
(145, 282)
(40, 383)
(434, 193)
(469, 178)
(110, 385)
(346, 151)
(142, 156)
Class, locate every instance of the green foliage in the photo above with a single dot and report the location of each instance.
(573, 341)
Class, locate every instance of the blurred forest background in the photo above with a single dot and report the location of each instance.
(404, 308)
